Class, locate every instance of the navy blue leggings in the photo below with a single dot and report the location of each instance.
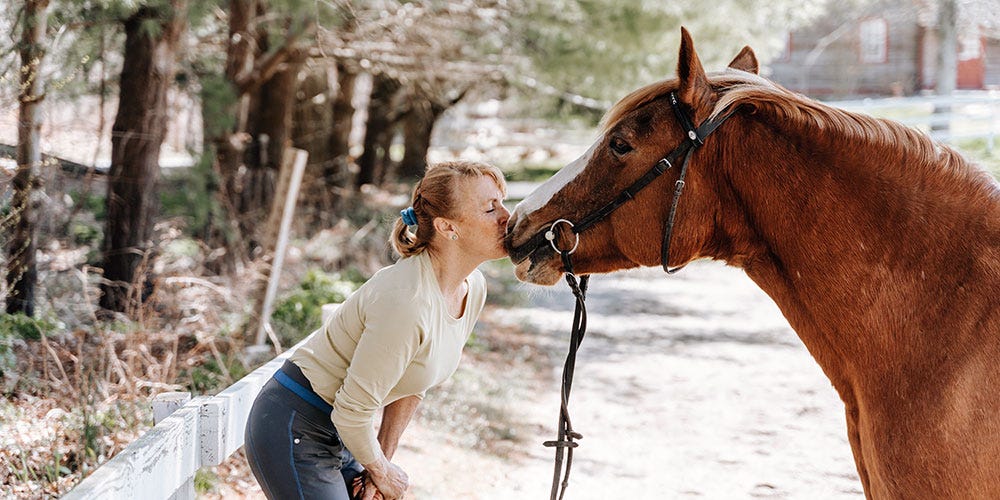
(292, 446)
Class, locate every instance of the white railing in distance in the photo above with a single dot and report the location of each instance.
(161, 464)
(970, 115)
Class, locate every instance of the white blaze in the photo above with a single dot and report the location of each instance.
(539, 197)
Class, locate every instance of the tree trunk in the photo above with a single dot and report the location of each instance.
(378, 131)
(418, 126)
(240, 57)
(947, 58)
(338, 172)
(246, 183)
(147, 73)
(225, 113)
(311, 131)
(21, 270)
(384, 167)
(271, 130)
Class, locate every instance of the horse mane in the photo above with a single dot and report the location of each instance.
(899, 143)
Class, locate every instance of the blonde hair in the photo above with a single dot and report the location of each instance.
(435, 196)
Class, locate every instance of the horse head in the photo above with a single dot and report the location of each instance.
(641, 131)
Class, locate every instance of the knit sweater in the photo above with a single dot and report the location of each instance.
(392, 338)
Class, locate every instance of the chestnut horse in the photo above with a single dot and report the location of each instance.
(880, 247)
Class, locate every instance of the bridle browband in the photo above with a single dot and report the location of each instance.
(694, 138)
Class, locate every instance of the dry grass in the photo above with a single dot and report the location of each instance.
(79, 395)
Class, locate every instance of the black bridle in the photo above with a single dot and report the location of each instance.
(694, 138)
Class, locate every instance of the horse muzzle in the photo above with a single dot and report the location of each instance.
(518, 253)
(535, 259)
(517, 227)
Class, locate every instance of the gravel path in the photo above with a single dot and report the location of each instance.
(687, 386)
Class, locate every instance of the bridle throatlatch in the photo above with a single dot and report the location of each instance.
(565, 441)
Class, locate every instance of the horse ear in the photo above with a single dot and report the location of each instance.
(746, 60)
(694, 87)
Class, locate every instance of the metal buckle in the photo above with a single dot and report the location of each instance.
(551, 236)
(663, 165)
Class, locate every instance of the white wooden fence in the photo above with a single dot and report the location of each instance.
(964, 115)
(204, 432)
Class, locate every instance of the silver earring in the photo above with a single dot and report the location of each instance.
(454, 237)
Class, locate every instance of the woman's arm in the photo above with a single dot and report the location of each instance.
(395, 417)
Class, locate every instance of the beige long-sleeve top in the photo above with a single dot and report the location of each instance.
(392, 338)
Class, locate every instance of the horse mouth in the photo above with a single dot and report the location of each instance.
(543, 273)
(528, 250)
(517, 255)
(536, 264)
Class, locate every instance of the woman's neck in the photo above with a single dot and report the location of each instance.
(451, 268)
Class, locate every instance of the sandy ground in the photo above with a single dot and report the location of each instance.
(687, 386)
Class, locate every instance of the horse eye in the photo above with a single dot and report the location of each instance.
(619, 146)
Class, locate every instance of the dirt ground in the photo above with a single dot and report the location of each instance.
(687, 386)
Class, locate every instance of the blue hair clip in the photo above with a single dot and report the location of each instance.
(409, 216)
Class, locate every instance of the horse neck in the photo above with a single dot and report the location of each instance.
(850, 238)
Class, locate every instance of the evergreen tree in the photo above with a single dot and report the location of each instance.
(153, 34)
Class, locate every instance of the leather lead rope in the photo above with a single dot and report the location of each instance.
(566, 439)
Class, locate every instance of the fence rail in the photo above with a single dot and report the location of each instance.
(964, 115)
(204, 432)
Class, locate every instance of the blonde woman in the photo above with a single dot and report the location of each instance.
(311, 433)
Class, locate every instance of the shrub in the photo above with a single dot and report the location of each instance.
(14, 329)
(24, 327)
(86, 234)
(209, 376)
(91, 202)
(532, 172)
(189, 194)
(300, 312)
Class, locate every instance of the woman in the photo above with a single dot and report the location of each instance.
(310, 431)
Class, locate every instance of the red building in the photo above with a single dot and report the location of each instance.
(888, 48)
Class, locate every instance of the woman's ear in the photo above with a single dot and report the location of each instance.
(446, 228)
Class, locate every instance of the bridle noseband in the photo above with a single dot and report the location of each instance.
(695, 138)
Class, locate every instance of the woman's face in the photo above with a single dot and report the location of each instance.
(482, 218)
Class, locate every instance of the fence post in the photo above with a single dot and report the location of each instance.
(164, 404)
(994, 104)
(279, 227)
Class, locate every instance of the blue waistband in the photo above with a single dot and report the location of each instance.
(306, 394)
